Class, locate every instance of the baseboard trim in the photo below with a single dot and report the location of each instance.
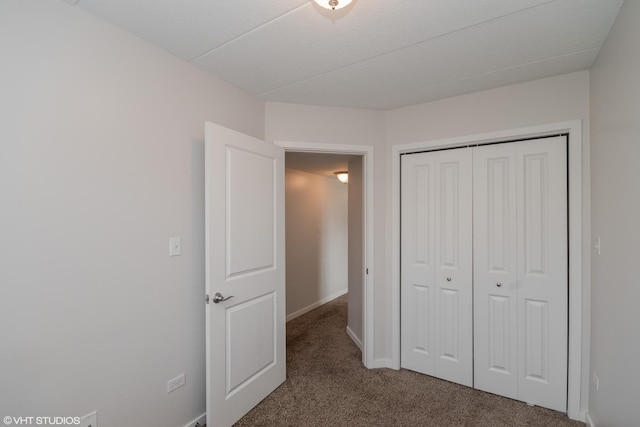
(202, 419)
(589, 421)
(354, 338)
(382, 363)
(316, 304)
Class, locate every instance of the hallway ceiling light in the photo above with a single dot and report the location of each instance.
(333, 4)
(343, 176)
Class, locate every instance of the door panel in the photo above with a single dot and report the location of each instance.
(421, 323)
(536, 360)
(543, 273)
(495, 270)
(500, 350)
(249, 350)
(521, 270)
(418, 259)
(535, 207)
(250, 219)
(245, 339)
(436, 238)
(449, 331)
(454, 296)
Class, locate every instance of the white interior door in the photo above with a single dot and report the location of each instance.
(245, 339)
(521, 270)
(436, 264)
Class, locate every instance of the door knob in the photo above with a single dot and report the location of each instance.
(497, 284)
(219, 298)
(448, 279)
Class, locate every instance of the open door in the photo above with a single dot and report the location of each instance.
(245, 272)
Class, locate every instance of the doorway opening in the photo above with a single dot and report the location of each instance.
(329, 241)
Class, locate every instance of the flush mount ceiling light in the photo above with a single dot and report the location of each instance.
(333, 4)
(343, 176)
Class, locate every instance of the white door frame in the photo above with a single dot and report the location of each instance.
(368, 280)
(578, 290)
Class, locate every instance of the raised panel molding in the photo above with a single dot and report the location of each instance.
(535, 211)
(449, 328)
(536, 341)
(499, 335)
(421, 215)
(449, 215)
(244, 363)
(421, 324)
(250, 240)
(499, 249)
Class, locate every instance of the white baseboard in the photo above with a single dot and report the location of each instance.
(316, 304)
(589, 421)
(354, 338)
(382, 363)
(202, 419)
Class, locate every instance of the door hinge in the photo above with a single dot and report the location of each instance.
(367, 270)
(206, 298)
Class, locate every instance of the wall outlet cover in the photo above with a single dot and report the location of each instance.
(89, 420)
(176, 383)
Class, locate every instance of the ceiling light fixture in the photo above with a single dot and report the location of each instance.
(333, 4)
(343, 176)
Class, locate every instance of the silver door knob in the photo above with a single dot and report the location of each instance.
(219, 298)
(497, 284)
(448, 279)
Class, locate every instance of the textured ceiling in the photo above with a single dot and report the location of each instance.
(378, 54)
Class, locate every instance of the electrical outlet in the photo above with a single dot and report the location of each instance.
(596, 381)
(176, 382)
(89, 420)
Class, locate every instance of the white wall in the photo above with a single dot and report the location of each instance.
(305, 123)
(615, 138)
(550, 100)
(316, 230)
(356, 250)
(101, 161)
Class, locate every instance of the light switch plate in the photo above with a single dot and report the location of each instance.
(175, 246)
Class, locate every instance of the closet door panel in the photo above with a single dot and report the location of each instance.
(453, 275)
(543, 272)
(520, 271)
(495, 275)
(417, 296)
(436, 288)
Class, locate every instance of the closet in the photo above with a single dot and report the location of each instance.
(484, 268)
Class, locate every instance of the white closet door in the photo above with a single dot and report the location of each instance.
(495, 270)
(436, 266)
(543, 290)
(521, 270)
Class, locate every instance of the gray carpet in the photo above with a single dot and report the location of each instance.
(328, 386)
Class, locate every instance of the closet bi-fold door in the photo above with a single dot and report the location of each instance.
(521, 271)
(436, 264)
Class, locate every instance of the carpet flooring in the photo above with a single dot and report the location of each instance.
(328, 386)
